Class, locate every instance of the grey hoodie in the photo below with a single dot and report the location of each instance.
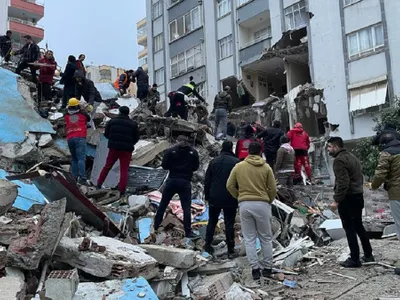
(223, 100)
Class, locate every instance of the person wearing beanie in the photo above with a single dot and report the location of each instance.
(271, 137)
(181, 161)
(242, 146)
(122, 134)
(300, 141)
(76, 129)
(219, 199)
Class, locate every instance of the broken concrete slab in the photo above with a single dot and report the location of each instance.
(215, 268)
(170, 256)
(235, 292)
(8, 194)
(138, 203)
(214, 286)
(181, 125)
(136, 288)
(62, 285)
(146, 151)
(120, 260)
(27, 252)
(45, 140)
(12, 286)
(334, 228)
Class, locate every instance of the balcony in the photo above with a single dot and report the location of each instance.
(142, 40)
(26, 9)
(252, 51)
(26, 28)
(142, 53)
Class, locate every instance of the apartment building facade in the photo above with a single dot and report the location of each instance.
(141, 27)
(21, 17)
(347, 48)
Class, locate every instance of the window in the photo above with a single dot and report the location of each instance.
(141, 31)
(365, 40)
(158, 43)
(262, 34)
(202, 89)
(186, 61)
(143, 61)
(157, 9)
(349, 2)
(105, 75)
(159, 76)
(224, 7)
(242, 2)
(296, 16)
(225, 47)
(173, 2)
(185, 24)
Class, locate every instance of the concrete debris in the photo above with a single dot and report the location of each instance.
(62, 285)
(12, 285)
(214, 286)
(235, 292)
(178, 258)
(45, 140)
(8, 194)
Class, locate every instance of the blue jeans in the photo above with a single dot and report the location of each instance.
(221, 116)
(77, 147)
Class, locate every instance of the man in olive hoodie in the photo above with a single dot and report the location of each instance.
(252, 182)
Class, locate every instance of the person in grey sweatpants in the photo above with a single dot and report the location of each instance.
(252, 182)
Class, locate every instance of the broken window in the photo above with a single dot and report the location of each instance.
(296, 16)
(365, 40)
(158, 42)
(157, 9)
(159, 76)
(225, 47)
(224, 7)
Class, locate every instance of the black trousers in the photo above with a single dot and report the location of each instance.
(229, 219)
(68, 93)
(44, 92)
(142, 91)
(5, 53)
(350, 212)
(23, 65)
(270, 158)
(183, 188)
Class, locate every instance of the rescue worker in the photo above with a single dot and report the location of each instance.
(153, 98)
(30, 53)
(142, 82)
(242, 146)
(123, 82)
(46, 74)
(80, 65)
(85, 88)
(76, 129)
(5, 46)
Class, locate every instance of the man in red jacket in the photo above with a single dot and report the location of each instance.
(300, 141)
(46, 76)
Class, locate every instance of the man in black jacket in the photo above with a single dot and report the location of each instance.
(219, 198)
(122, 134)
(85, 88)
(272, 137)
(30, 53)
(67, 79)
(222, 107)
(5, 46)
(142, 83)
(388, 131)
(181, 161)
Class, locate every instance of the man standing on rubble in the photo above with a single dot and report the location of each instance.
(46, 74)
(349, 200)
(219, 198)
(67, 79)
(222, 107)
(252, 182)
(242, 145)
(388, 173)
(5, 46)
(76, 129)
(153, 98)
(300, 142)
(122, 134)
(181, 161)
(85, 88)
(30, 53)
(272, 137)
(80, 65)
(142, 82)
(123, 82)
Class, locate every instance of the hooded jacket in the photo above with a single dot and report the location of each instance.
(87, 89)
(217, 175)
(122, 134)
(181, 161)
(285, 159)
(348, 175)
(299, 139)
(223, 100)
(252, 180)
(142, 79)
(388, 170)
(67, 78)
(47, 73)
(385, 135)
(30, 52)
(271, 138)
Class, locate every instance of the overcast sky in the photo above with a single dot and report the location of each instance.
(104, 30)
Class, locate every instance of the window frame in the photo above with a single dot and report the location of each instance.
(183, 58)
(159, 5)
(374, 46)
(220, 4)
(201, 88)
(162, 81)
(160, 39)
(226, 41)
(291, 11)
(145, 59)
(194, 25)
(242, 2)
(351, 2)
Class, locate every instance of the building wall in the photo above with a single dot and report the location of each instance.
(3, 16)
(392, 9)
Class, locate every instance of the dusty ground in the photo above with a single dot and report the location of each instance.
(315, 282)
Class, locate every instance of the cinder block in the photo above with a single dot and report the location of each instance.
(62, 285)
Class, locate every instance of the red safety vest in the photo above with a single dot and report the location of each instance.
(76, 126)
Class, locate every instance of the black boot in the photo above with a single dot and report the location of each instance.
(256, 273)
(349, 263)
(367, 259)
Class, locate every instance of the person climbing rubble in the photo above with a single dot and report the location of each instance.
(76, 129)
(123, 82)
(222, 107)
(252, 182)
(300, 141)
(284, 166)
(6, 46)
(202, 114)
(242, 145)
(230, 130)
(67, 79)
(142, 81)
(240, 132)
(85, 88)
(271, 138)
(122, 134)
(30, 53)
(349, 200)
(153, 98)
(181, 161)
(46, 74)
(388, 173)
(219, 199)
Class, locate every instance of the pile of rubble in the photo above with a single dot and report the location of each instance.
(60, 240)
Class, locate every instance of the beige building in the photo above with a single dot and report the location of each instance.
(142, 41)
(104, 74)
